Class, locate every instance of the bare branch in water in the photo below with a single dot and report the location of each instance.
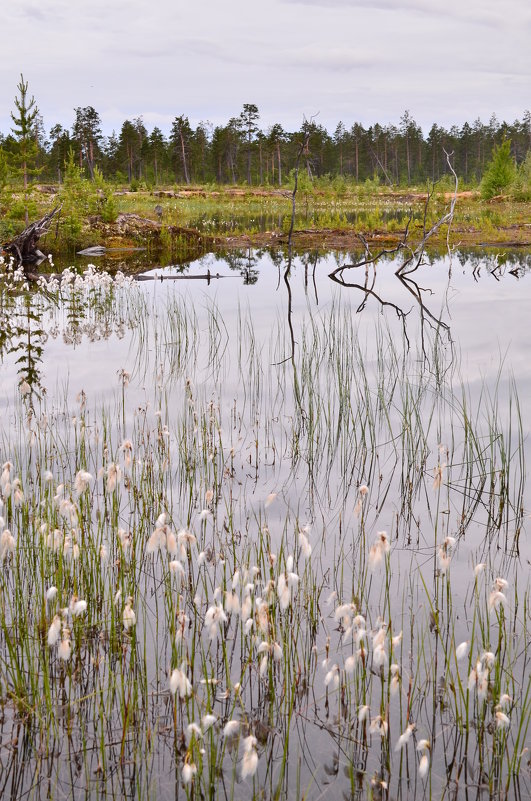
(417, 254)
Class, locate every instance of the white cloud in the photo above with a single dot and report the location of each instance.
(355, 60)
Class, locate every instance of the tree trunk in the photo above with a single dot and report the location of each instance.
(25, 171)
(90, 159)
(185, 166)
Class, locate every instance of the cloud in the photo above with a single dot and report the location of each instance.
(353, 59)
(337, 60)
(456, 10)
(33, 12)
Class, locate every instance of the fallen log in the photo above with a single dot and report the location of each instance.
(208, 277)
(23, 247)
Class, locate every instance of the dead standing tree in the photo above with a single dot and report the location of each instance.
(23, 247)
(414, 259)
(415, 254)
(302, 149)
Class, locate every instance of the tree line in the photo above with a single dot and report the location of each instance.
(242, 152)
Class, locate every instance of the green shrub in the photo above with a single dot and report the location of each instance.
(16, 209)
(340, 185)
(102, 199)
(304, 182)
(521, 189)
(75, 196)
(500, 171)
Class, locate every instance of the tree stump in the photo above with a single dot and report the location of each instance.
(24, 246)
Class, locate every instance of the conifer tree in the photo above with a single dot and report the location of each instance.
(25, 157)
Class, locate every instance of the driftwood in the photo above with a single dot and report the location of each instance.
(208, 277)
(24, 246)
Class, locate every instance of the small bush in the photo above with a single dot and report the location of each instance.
(16, 209)
(500, 171)
(521, 189)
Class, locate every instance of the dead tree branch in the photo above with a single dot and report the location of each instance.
(336, 275)
(417, 254)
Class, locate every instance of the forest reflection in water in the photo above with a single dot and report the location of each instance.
(460, 297)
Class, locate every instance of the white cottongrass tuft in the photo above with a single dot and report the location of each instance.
(438, 475)
(127, 448)
(179, 683)
(7, 544)
(424, 747)
(396, 640)
(350, 663)
(114, 476)
(378, 550)
(395, 679)
(231, 729)
(332, 677)
(496, 599)
(287, 583)
(78, 608)
(193, 730)
(250, 757)
(405, 737)
(207, 721)
(65, 646)
(214, 618)
(51, 593)
(304, 543)
(379, 655)
(128, 615)
(504, 702)
(54, 631)
(189, 771)
(378, 726)
(424, 766)
(82, 482)
(462, 650)
(277, 652)
(502, 721)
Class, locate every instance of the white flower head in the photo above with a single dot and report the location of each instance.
(462, 650)
(378, 550)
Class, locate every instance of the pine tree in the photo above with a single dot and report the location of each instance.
(248, 119)
(25, 157)
(86, 133)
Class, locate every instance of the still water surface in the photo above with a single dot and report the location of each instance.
(315, 389)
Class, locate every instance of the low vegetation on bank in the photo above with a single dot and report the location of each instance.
(193, 219)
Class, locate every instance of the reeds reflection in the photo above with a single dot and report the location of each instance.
(245, 575)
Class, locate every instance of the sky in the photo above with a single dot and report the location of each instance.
(361, 61)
